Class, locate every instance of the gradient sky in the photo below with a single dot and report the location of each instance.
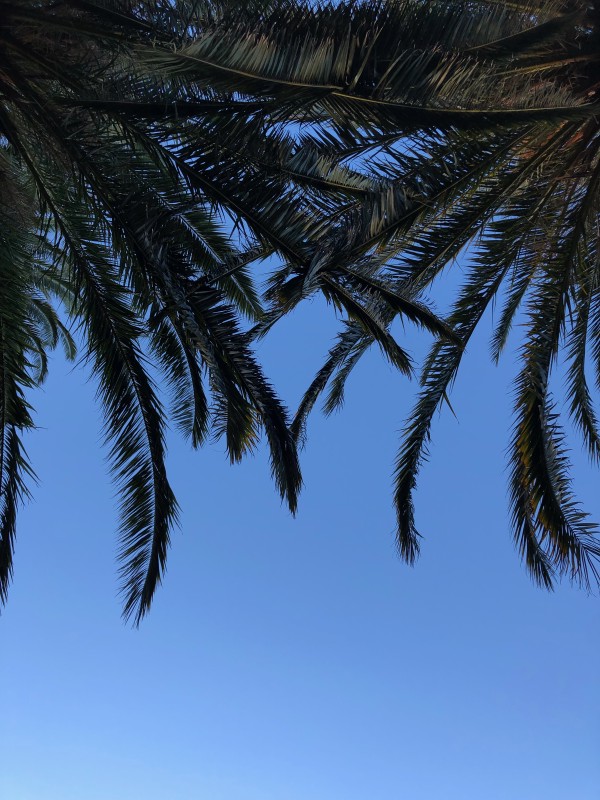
(298, 659)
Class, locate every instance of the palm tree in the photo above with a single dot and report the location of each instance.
(123, 177)
(475, 124)
(364, 145)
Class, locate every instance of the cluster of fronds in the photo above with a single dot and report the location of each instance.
(129, 177)
(475, 123)
(102, 212)
(361, 144)
(480, 120)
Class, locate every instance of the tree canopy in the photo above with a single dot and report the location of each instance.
(151, 153)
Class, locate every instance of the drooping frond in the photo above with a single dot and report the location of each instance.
(20, 340)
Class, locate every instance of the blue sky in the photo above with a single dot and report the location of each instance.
(295, 659)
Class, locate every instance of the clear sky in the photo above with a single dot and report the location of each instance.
(298, 659)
